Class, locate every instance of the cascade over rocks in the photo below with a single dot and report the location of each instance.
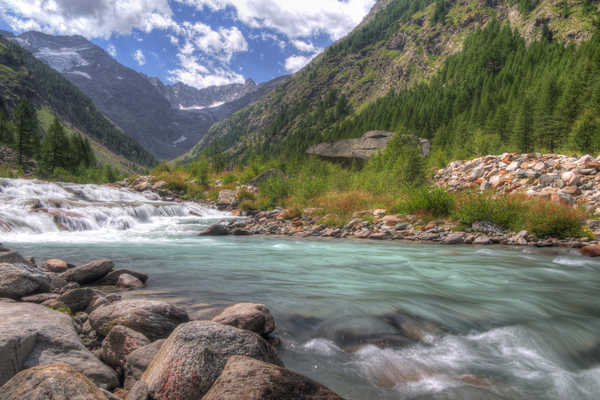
(19, 280)
(31, 335)
(253, 317)
(154, 319)
(51, 382)
(250, 379)
(89, 272)
(194, 356)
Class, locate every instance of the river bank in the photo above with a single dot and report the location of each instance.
(66, 333)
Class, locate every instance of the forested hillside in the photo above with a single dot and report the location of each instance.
(23, 76)
(476, 77)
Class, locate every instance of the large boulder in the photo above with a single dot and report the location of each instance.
(19, 280)
(253, 317)
(51, 382)
(362, 148)
(90, 272)
(155, 319)
(591, 251)
(120, 342)
(194, 355)
(250, 379)
(113, 277)
(31, 335)
(138, 360)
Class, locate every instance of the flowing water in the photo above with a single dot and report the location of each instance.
(371, 320)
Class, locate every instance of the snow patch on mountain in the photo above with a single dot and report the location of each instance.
(80, 73)
(63, 59)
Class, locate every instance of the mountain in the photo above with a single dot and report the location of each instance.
(166, 120)
(23, 75)
(184, 97)
(402, 50)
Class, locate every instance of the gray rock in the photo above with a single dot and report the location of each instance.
(487, 228)
(253, 317)
(250, 379)
(120, 342)
(113, 277)
(127, 281)
(138, 392)
(12, 257)
(90, 272)
(155, 319)
(31, 335)
(138, 360)
(194, 356)
(215, 230)
(39, 298)
(227, 198)
(19, 280)
(78, 299)
(454, 238)
(51, 382)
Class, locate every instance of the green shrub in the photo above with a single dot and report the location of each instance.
(504, 211)
(273, 190)
(229, 178)
(436, 202)
(546, 219)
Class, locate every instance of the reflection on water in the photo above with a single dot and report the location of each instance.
(379, 320)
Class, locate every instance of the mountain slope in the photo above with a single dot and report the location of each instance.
(21, 74)
(166, 120)
(400, 44)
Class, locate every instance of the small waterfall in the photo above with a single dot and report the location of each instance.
(36, 207)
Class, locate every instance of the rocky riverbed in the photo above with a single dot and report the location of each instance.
(66, 332)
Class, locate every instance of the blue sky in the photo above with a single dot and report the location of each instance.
(197, 42)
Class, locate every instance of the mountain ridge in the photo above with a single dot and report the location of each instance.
(399, 45)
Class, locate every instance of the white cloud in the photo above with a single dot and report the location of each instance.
(305, 47)
(139, 57)
(112, 50)
(222, 43)
(194, 74)
(89, 18)
(295, 19)
(296, 63)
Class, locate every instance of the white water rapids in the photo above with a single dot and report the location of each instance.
(54, 211)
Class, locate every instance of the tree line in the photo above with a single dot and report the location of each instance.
(56, 152)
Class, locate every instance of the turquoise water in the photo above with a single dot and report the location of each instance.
(526, 322)
(452, 322)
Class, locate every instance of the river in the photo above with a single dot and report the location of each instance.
(460, 323)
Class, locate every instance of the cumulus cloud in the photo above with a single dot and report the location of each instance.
(303, 46)
(296, 63)
(112, 50)
(139, 57)
(295, 19)
(222, 43)
(89, 18)
(193, 73)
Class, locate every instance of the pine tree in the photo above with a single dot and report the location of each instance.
(586, 133)
(523, 133)
(6, 135)
(27, 140)
(56, 149)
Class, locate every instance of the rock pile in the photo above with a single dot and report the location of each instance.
(62, 340)
(377, 225)
(569, 180)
